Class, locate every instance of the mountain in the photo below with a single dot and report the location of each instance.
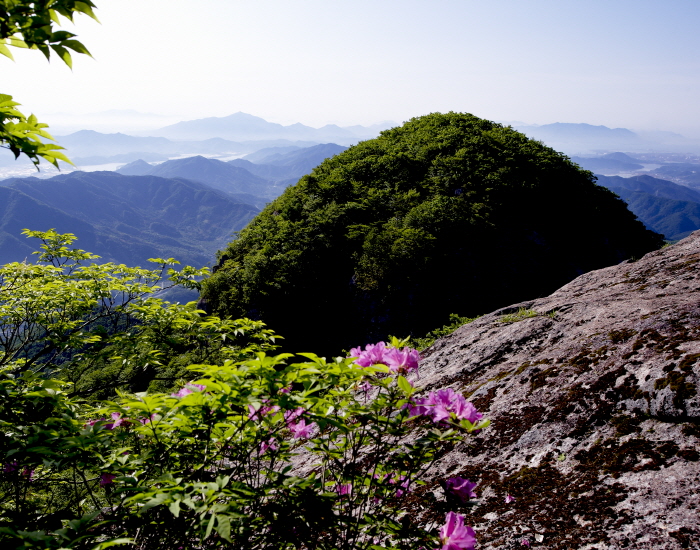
(290, 164)
(217, 174)
(621, 157)
(674, 219)
(606, 165)
(592, 394)
(653, 186)
(447, 213)
(579, 138)
(125, 219)
(576, 139)
(88, 143)
(137, 168)
(244, 127)
(261, 154)
(684, 173)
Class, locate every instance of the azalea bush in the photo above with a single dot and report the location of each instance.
(257, 451)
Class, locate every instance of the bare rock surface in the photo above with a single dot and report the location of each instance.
(592, 394)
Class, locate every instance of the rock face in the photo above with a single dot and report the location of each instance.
(592, 394)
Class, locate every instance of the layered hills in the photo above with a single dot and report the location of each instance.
(663, 206)
(448, 213)
(125, 219)
(244, 127)
(593, 398)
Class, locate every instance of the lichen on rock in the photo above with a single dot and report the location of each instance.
(595, 410)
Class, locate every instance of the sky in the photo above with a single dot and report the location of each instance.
(621, 63)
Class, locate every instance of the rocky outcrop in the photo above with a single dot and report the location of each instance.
(592, 394)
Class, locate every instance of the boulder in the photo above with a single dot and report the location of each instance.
(592, 395)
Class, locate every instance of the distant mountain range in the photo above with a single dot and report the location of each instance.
(184, 208)
(265, 179)
(575, 139)
(663, 206)
(244, 127)
(125, 219)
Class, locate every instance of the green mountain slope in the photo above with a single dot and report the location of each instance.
(674, 219)
(216, 174)
(290, 164)
(653, 186)
(448, 213)
(126, 219)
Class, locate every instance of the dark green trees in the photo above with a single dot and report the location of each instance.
(448, 213)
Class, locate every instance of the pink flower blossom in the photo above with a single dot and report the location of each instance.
(148, 419)
(509, 499)
(302, 430)
(106, 479)
(461, 487)
(262, 411)
(343, 489)
(525, 542)
(271, 443)
(291, 416)
(188, 389)
(117, 421)
(402, 360)
(372, 354)
(454, 535)
(442, 404)
(402, 483)
(398, 360)
(13, 466)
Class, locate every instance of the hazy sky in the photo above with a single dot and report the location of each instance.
(620, 63)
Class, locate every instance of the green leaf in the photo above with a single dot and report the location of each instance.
(64, 54)
(4, 50)
(405, 385)
(175, 508)
(210, 526)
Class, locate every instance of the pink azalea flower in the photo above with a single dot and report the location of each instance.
(188, 389)
(271, 443)
(461, 487)
(262, 411)
(106, 479)
(373, 354)
(525, 542)
(402, 483)
(302, 430)
(442, 404)
(402, 360)
(343, 489)
(117, 421)
(148, 420)
(291, 416)
(454, 535)
(509, 499)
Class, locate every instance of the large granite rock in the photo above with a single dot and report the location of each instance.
(594, 407)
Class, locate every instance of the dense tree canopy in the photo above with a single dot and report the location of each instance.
(447, 213)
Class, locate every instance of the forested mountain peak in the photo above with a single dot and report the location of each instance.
(446, 213)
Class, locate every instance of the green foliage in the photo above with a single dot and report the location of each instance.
(520, 315)
(100, 327)
(448, 212)
(30, 25)
(429, 339)
(21, 134)
(255, 451)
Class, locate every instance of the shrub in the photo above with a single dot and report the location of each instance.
(257, 451)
